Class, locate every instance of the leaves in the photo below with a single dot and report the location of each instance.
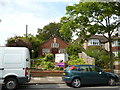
(100, 55)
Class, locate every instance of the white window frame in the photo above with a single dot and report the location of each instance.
(93, 42)
(115, 43)
(54, 45)
(45, 50)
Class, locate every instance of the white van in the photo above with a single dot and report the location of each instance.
(14, 65)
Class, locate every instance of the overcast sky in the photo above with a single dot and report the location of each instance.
(16, 14)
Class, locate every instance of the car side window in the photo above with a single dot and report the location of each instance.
(76, 69)
(95, 69)
(84, 68)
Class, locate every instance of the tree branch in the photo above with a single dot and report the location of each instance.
(106, 37)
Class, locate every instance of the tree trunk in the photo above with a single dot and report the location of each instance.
(111, 55)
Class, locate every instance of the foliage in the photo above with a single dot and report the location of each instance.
(45, 63)
(49, 57)
(74, 60)
(18, 41)
(35, 42)
(50, 30)
(118, 54)
(100, 55)
(73, 49)
(30, 42)
(88, 18)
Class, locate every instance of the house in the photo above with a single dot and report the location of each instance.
(53, 45)
(95, 40)
(101, 41)
(116, 45)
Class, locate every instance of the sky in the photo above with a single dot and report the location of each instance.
(16, 14)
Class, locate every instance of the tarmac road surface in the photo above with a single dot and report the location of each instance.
(63, 86)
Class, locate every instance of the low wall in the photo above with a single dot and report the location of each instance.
(38, 73)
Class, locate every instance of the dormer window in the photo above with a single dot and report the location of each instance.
(94, 42)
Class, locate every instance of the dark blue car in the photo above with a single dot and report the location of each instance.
(77, 75)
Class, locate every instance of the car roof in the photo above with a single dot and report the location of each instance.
(81, 65)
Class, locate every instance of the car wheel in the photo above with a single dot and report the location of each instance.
(111, 82)
(10, 84)
(76, 83)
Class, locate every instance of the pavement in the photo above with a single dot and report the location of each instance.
(46, 80)
(49, 80)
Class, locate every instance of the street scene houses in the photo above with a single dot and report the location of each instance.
(56, 45)
(101, 41)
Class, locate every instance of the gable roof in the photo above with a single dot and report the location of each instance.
(53, 38)
(99, 37)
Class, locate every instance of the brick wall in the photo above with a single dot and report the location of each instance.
(47, 44)
(116, 48)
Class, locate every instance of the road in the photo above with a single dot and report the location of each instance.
(63, 86)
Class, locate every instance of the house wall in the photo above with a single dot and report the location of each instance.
(47, 45)
(107, 46)
(85, 44)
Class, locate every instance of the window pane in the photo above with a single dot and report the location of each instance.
(54, 45)
(95, 69)
(84, 68)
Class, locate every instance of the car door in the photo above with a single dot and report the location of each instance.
(85, 75)
(97, 75)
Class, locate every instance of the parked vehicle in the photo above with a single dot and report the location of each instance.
(14, 65)
(78, 75)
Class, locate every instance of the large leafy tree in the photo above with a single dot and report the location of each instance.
(18, 41)
(30, 42)
(88, 18)
(50, 30)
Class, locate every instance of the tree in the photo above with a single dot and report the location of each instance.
(89, 18)
(73, 49)
(50, 30)
(18, 41)
(35, 42)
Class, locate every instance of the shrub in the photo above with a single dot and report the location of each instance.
(49, 57)
(75, 60)
(100, 55)
(73, 50)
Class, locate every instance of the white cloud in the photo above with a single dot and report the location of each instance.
(16, 14)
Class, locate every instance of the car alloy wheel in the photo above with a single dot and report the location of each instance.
(76, 83)
(111, 82)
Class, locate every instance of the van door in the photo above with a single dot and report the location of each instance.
(27, 72)
(1, 68)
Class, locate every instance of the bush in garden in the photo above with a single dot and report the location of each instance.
(100, 55)
(49, 57)
(75, 60)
